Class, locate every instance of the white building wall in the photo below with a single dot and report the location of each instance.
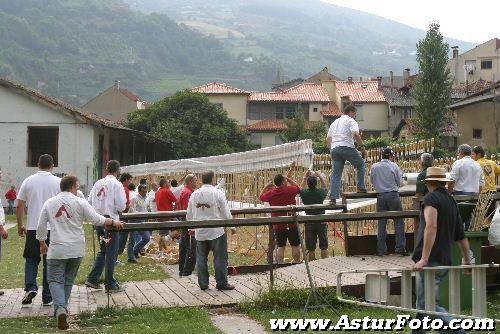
(75, 145)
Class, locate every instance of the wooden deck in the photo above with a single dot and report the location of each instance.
(184, 291)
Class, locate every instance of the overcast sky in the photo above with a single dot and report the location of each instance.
(475, 22)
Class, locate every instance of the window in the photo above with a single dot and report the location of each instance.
(290, 112)
(256, 138)
(360, 112)
(280, 113)
(486, 64)
(42, 140)
(477, 133)
(315, 109)
(254, 113)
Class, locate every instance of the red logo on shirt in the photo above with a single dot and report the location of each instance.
(61, 210)
(101, 193)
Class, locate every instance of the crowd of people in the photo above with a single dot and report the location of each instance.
(56, 213)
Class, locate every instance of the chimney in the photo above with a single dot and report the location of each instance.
(391, 75)
(406, 74)
(379, 82)
(349, 79)
(117, 84)
(455, 51)
(360, 78)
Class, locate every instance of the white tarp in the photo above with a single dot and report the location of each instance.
(261, 159)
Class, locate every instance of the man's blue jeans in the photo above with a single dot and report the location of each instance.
(112, 249)
(340, 155)
(32, 258)
(137, 246)
(390, 201)
(61, 274)
(10, 210)
(219, 248)
(419, 282)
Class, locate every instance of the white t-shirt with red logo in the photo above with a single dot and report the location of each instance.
(35, 190)
(107, 197)
(65, 214)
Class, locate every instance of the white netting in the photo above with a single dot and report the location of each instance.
(256, 160)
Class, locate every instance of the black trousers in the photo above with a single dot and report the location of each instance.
(187, 253)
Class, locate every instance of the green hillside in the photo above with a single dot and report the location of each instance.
(73, 49)
(302, 35)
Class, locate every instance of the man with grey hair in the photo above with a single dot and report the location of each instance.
(426, 161)
(467, 174)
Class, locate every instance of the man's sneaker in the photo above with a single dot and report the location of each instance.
(62, 319)
(115, 289)
(333, 201)
(225, 287)
(48, 303)
(403, 253)
(132, 260)
(204, 287)
(118, 263)
(28, 297)
(95, 286)
(2, 293)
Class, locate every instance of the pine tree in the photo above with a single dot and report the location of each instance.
(432, 89)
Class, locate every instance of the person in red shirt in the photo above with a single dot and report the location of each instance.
(165, 201)
(187, 242)
(11, 196)
(280, 192)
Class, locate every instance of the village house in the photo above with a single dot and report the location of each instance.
(479, 63)
(115, 103)
(81, 143)
(478, 117)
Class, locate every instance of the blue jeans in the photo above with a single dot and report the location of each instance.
(123, 237)
(390, 202)
(98, 268)
(10, 210)
(61, 274)
(219, 248)
(32, 258)
(419, 283)
(141, 239)
(340, 155)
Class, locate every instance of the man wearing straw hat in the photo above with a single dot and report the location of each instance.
(435, 237)
(341, 135)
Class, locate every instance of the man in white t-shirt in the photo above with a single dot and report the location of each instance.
(466, 173)
(34, 191)
(341, 135)
(65, 214)
(108, 198)
(207, 203)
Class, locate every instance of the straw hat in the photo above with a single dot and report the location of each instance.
(437, 174)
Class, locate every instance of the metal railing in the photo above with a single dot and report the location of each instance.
(478, 272)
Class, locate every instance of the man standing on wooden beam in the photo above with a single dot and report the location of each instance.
(387, 178)
(341, 136)
(208, 203)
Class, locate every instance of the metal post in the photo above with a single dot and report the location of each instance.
(106, 256)
(406, 288)
(479, 292)
(270, 255)
(429, 289)
(454, 292)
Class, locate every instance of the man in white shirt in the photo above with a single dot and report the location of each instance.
(138, 204)
(206, 203)
(467, 174)
(341, 135)
(108, 198)
(3, 232)
(65, 214)
(34, 191)
(151, 197)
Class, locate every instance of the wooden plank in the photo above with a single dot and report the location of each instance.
(195, 290)
(153, 297)
(183, 294)
(135, 294)
(163, 290)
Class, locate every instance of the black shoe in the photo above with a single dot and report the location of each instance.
(204, 288)
(184, 274)
(143, 253)
(225, 287)
(403, 253)
(333, 201)
(2, 293)
(28, 297)
(132, 260)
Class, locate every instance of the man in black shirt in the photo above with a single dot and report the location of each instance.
(442, 226)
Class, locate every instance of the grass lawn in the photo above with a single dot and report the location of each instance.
(123, 321)
(285, 303)
(12, 263)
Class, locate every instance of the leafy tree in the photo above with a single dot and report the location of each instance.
(194, 126)
(433, 87)
(298, 129)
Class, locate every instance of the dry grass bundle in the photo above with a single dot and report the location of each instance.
(479, 218)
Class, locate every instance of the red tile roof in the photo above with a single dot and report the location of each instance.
(332, 110)
(304, 92)
(218, 88)
(462, 90)
(360, 91)
(271, 125)
(132, 96)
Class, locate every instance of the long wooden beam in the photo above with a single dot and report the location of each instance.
(261, 221)
(373, 194)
